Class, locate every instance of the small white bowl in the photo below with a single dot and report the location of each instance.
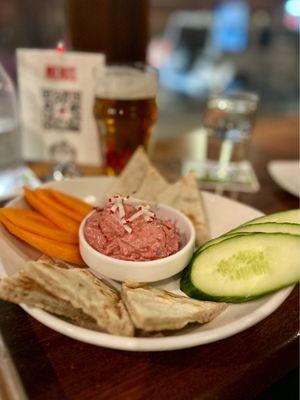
(143, 271)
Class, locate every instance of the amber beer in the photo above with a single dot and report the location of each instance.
(125, 110)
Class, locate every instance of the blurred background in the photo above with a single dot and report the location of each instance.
(199, 47)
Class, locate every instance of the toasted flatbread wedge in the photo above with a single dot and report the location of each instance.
(58, 263)
(155, 310)
(86, 292)
(152, 184)
(133, 174)
(20, 289)
(186, 197)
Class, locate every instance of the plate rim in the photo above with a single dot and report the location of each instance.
(167, 343)
(273, 171)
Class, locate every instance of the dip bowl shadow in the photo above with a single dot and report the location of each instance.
(143, 271)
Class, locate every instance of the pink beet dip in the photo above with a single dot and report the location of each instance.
(127, 229)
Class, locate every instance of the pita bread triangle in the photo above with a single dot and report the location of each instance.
(154, 309)
(186, 197)
(133, 174)
(152, 184)
(86, 292)
(19, 288)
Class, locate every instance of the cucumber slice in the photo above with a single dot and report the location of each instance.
(220, 239)
(257, 225)
(268, 227)
(290, 216)
(243, 268)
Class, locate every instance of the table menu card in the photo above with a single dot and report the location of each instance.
(56, 94)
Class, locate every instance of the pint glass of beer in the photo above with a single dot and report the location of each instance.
(125, 110)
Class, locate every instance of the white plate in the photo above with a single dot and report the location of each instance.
(286, 173)
(223, 214)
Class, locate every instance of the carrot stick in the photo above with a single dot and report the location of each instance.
(65, 223)
(25, 213)
(46, 196)
(63, 251)
(71, 202)
(23, 220)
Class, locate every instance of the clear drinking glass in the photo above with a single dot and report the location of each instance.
(227, 124)
(125, 111)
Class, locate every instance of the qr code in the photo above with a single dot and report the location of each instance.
(61, 109)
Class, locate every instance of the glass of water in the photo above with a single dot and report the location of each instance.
(227, 124)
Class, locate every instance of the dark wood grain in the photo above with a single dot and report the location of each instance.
(53, 366)
(117, 28)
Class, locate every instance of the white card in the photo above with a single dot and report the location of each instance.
(56, 93)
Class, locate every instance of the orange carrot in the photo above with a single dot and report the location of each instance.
(71, 202)
(65, 223)
(63, 251)
(23, 220)
(25, 213)
(46, 196)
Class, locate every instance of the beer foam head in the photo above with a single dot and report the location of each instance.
(126, 83)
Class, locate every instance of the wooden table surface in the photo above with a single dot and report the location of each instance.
(52, 366)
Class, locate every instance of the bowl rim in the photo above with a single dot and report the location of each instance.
(139, 263)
